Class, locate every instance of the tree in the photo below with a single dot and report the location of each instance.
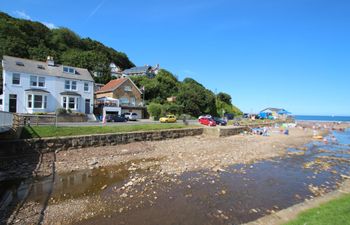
(155, 110)
(224, 97)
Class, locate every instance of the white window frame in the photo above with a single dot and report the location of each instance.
(71, 85)
(19, 78)
(86, 85)
(37, 81)
(67, 69)
(127, 88)
(124, 100)
(31, 100)
(65, 101)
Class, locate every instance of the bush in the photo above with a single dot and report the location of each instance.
(69, 111)
(61, 111)
(155, 110)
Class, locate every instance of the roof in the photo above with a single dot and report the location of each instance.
(137, 69)
(36, 90)
(114, 84)
(71, 93)
(272, 109)
(41, 68)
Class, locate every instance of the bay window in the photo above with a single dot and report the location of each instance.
(70, 102)
(35, 101)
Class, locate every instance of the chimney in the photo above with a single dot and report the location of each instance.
(50, 61)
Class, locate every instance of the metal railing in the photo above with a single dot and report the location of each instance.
(6, 121)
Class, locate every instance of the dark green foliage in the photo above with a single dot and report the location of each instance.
(224, 97)
(33, 40)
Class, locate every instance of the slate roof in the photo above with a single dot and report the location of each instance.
(41, 68)
(137, 69)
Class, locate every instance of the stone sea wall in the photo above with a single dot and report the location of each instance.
(43, 145)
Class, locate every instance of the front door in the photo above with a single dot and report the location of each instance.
(87, 106)
(13, 103)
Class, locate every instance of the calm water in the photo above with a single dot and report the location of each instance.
(323, 118)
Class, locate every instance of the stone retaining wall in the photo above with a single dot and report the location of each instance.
(43, 145)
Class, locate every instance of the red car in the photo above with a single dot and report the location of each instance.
(207, 121)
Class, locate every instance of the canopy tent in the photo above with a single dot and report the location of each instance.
(283, 112)
(107, 99)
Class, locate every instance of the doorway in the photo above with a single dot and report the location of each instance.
(13, 103)
(87, 106)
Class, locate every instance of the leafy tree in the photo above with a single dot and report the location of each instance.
(196, 99)
(33, 40)
(154, 109)
(224, 97)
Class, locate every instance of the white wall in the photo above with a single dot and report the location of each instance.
(54, 85)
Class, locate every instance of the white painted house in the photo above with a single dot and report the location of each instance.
(31, 86)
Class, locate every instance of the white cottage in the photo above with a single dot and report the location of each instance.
(31, 86)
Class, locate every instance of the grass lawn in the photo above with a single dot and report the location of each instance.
(335, 212)
(52, 131)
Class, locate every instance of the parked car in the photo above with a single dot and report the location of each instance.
(220, 121)
(207, 121)
(168, 119)
(126, 115)
(133, 116)
(115, 118)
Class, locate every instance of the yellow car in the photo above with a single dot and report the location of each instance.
(168, 119)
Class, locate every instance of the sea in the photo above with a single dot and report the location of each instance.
(322, 118)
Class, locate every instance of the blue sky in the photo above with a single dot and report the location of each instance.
(293, 54)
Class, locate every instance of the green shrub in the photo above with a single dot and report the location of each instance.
(61, 111)
(155, 110)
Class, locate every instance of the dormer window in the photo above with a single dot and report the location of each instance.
(67, 69)
(19, 64)
(41, 67)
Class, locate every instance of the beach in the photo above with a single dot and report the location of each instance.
(95, 185)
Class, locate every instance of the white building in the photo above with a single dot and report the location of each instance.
(31, 86)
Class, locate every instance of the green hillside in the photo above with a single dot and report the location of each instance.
(33, 40)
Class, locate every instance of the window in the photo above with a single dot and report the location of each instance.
(30, 105)
(70, 85)
(37, 101)
(16, 78)
(133, 101)
(74, 85)
(67, 69)
(36, 81)
(69, 102)
(124, 100)
(127, 88)
(41, 82)
(19, 64)
(33, 81)
(0, 101)
(64, 102)
(67, 84)
(86, 86)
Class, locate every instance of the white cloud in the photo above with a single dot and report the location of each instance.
(22, 14)
(50, 25)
